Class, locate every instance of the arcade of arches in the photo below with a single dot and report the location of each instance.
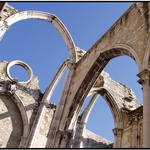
(33, 121)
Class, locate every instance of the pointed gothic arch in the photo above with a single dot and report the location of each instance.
(133, 36)
(93, 73)
(115, 109)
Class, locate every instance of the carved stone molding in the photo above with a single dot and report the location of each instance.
(7, 11)
(117, 131)
(144, 77)
(134, 118)
(8, 87)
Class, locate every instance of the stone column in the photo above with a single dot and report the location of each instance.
(118, 137)
(78, 143)
(66, 136)
(135, 132)
(145, 81)
(23, 141)
(57, 139)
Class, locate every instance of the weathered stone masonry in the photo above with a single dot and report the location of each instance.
(28, 119)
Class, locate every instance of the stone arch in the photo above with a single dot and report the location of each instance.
(86, 113)
(24, 117)
(11, 119)
(91, 76)
(100, 63)
(46, 98)
(50, 89)
(131, 52)
(110, 100)
(113, 106)
(53, 20)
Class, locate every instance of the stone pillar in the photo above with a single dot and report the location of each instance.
(66, 136)
(57, 140)
(145, 81)
(118, 137)
(23, 141)
(135, 132)
(78, 143)
(60, 113)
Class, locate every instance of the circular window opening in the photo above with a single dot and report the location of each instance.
(20, 71)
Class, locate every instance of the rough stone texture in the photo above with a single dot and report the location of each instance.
(11, 119)
(41, 138)
(128, 108)
(10, 123)
(32, 122)
(28, 93)
(123, 95)
(100, 51)
(132, 133)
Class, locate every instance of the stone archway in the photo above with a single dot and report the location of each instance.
(93, 73)
(119, 98)
(81, 131)
(46, 17)
(86, 82)
(17, 16)
(125, 37)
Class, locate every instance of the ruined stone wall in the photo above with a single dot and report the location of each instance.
(17, 116)
(11, 128)
(29, 94)
(129, 108)
(18, 108)
(124, 97)
(127, 115)
(116, 37)
(133, 129)
(20, 102)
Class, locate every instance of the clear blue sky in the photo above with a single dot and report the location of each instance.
(39, 44)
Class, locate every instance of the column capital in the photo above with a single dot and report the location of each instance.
(117, 131)
(144, 77)
(65, 132)
(71, 65)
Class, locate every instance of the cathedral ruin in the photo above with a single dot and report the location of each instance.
(29, 119)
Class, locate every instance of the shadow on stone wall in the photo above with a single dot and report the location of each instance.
(10, 122)
(10, 117)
